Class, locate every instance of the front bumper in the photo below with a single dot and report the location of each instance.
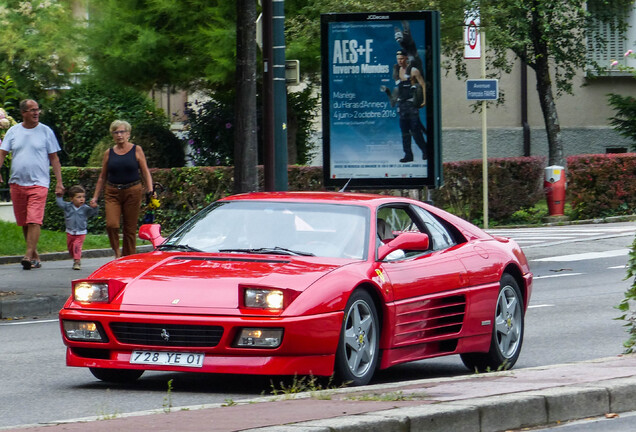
(308, 345)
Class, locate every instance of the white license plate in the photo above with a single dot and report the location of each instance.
(164, 358)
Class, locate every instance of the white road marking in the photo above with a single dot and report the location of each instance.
(556, 275)
(586, 256)
(28, 322)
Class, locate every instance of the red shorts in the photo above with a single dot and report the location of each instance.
(28, 203)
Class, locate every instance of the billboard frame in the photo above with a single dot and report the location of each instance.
(432, 177)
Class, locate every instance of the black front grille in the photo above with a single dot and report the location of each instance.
(167, 334)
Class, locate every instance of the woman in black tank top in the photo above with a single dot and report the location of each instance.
(124, 167)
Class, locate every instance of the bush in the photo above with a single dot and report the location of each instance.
(627, 304)
(625, 120)
(161, 147)
(210, 127)
(82, 115)
(601, 185)
(513, 184)
(210, 133)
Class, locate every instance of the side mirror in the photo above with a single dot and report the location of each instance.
(152, 233)
(405, 241)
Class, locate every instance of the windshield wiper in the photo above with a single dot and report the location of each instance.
(269, 250)
(185, 247)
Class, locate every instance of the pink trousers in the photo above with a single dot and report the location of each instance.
(74, 244)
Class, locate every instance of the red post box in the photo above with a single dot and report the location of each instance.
(554, 186)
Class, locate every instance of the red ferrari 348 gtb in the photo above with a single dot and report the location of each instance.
(318, 283)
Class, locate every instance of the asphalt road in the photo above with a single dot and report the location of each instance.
(571, 318)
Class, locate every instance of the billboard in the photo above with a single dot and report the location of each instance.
(381, 99)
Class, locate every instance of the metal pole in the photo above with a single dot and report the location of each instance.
(484, 133)
(268, 98)
(280, 96)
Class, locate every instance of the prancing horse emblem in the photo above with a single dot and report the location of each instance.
(165, 335)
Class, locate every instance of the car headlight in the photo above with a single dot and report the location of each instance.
(264, 298)
(96, 291)
(259, 338)
(91, 292)
(83, 331)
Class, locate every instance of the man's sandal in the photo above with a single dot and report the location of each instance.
(26, 263)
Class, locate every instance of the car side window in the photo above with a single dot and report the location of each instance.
(395, 220)
(440, 237)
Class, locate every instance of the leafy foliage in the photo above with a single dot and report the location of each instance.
(602, 185)
(6, 121)
(82, 115)
(9, 95)
(547, 36)
(40, 44)
(163, 42)
(513, 184)
(211, 125)
(161, 147)
(210, 132)
(625, 119)
(628, 304)
(302, 106)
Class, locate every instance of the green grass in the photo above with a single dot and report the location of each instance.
(50, 241)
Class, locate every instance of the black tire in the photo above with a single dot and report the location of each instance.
(359, 345)
(116, 375)
(507, 332)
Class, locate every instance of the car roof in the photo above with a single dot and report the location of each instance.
(366, 199)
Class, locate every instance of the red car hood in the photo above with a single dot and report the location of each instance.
(203, 282)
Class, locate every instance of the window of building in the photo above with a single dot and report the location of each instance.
(617, 44)
(616, 150)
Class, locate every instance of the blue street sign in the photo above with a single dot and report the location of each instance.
(482, 89)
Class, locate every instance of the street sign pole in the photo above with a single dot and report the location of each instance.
(484, 133)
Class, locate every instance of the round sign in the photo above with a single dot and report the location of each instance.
(472, 35)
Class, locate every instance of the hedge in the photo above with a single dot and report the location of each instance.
(600, 185)
(513, 184)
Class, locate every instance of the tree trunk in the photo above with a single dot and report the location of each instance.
(550, 117)
(541, 67)
(245, 139)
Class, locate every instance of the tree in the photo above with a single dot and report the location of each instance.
(548, 36)
(39, 44)
(187, 44)
(245, 140)
(148, 44)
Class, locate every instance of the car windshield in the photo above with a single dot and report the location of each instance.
(287, 228)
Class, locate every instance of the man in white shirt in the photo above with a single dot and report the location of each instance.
(33, 147)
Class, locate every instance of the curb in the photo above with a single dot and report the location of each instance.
(58, 256)
(41, 305)
(488, 414)
(31, 307)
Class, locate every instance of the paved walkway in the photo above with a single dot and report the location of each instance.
(487, 402)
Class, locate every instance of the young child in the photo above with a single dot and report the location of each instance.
(76, 214)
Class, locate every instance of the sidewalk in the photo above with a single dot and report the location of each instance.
(474, 403)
